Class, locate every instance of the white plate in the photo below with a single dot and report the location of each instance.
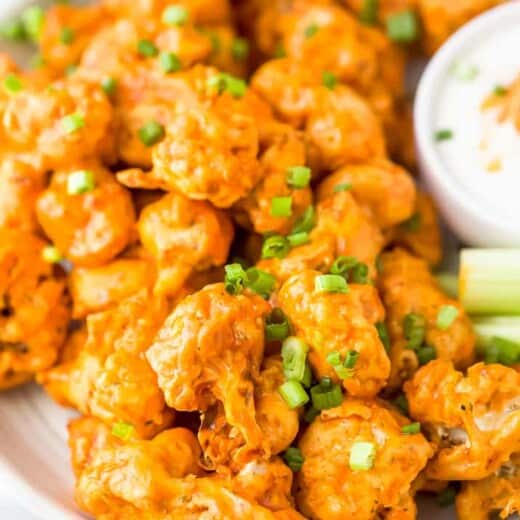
(34, 457)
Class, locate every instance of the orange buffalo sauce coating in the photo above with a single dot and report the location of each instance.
(333, 322)
(327, 487)
(472, 420)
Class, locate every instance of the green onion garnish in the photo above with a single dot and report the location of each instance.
(343, 368)
(223, 82)
(343, 264)
(310, 414)
(334, 358)
(311, 30)
(151, 133)
(329, 80)
(293, 394)
(13, 30)
(298, 177)
(426, 354)
(281, 206)
(464, 71)
(260, 281)
(109, 85)
(298, 239)
(446, 316)
(73, 122)
(411, 429)
(123, 430)
(368, 13)
(12, 84)
(279, 51)
(275, 246)
(402, 27)
(346, 186)
(276, 326)
(443, 135)
(331, 283)
(402, 403)
(382, 331)
(33, 19)
(362, 456)
(446, 497)
(359, 273)
(414, 327)
(499, 90)
(67, 35)
(169, 62)
(326, 395)
(235, 278)
(80, 182)
(175, 15)
(240, 49)
(306, 222)
(147, 48)
(70, 69)
(413, 224)
(52, 254)
(294, 358)
(351, 359)
(294, 458)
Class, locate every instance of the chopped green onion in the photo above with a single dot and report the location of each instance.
(33, 19)
(12, 83)
(444, 134)
(351, 359)
(13, 30)
(306, 222)
(147, 48)
(382, 331)
(414, 327)
(411, 429)
(425, 355)
(70, 69)
(307, 376)
(368, 13)
(446, 497)
(235, 278)
(413, 224)
(294, 458)
(109, 85)
(402, 27)
(242, 261)
(294, 357)
(275, 246)
(240, 49)
(359, 273)
(298, 239)
(281, 206)
(346, 186)
(279, 51)
(260, 281)
(73, 122)
(326, 395)
(499, 91)
(449, 283)
(331, 283)
(223, 82)
(169, 62)
(343, 264)
(402, 403)
(329, 80)
(80, 182)
(276, 326)
(52, 254)
(489, 281)
(362, 456)
(310, 414)
(123, 430)
(446, 316)
(334, 358)
(67, 35)
(175, 15)
(311, 30)
(293, 394)
(215, 41)
(464, 71)
(298, 177)
(151, 133)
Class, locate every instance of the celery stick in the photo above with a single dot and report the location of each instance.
(489, 281)
(498, 338)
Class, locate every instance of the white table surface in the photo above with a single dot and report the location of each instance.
(9, 508)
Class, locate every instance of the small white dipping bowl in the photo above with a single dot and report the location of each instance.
(469, 205)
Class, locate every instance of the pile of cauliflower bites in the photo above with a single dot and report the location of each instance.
(231, 279)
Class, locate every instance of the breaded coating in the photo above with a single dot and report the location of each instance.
(210, 350)
(386, 188)
(473, 420)
(21, 185)
(183, 236)
(62, 124)
(95, 289)
(329, 489)
(89, 228)
(497, 496)
(334, 322)
(278, 423)
(110, 378)
(34, 308)
(342, 227)
(407, 287)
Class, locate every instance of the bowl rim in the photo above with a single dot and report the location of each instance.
(436, 174)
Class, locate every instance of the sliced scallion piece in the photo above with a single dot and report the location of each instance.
(298, 177)
(235, 278)
(260, 281)
(446, 315)
(80, 182)
(326, 395)
(175, 15)
(411, 429)
(275, 246)
(123, 430)
(414, 328)
(383, 335)
(281, 206)
(368, 13)
(444, 134)
(306, 222)
(331, 283)
(276, 326)
(329, 80)
(294, 358)
(362, 456)
(240, 49)
(151, 133)
(298, 239)
(403, 27)
(293, 394)
(52, 254)
(293, 458)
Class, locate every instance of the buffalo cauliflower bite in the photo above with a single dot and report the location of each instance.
(208, 351)
(110, 378)
(278, 423)
(329, 488)
(183, 236)
(496, 497)
(407, 289)
(34, 308)
(473, 420)
(386, 188)
(90, 225)
(338, 322)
